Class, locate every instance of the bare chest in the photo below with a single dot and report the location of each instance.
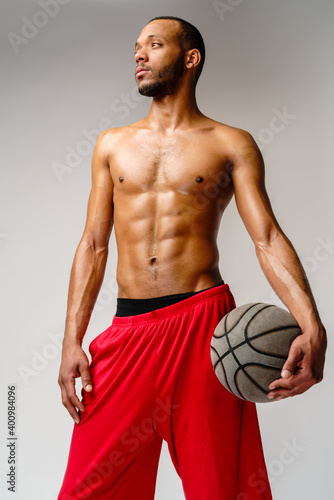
(182, 165)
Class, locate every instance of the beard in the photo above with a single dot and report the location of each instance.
(166, 81)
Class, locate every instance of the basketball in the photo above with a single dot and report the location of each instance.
(249, 348)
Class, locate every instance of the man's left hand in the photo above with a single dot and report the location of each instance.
(304, 366)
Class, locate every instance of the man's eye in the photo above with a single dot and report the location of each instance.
(155, 43)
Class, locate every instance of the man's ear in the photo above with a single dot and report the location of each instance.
(193, 58)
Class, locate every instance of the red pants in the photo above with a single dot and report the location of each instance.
(153, 380)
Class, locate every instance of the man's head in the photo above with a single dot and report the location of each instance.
(168, 49)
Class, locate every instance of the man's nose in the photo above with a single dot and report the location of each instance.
(140, 56)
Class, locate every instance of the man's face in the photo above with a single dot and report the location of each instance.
(159, 58)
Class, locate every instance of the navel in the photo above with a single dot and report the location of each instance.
(199, 179)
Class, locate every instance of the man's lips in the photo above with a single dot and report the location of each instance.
(141, 70)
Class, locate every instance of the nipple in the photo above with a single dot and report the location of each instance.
(121, 178)
(199, 179)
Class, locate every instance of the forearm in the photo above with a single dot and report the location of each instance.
(287, 277)
(85, 282)
(281, 265)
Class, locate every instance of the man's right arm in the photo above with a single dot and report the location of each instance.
(86, 278)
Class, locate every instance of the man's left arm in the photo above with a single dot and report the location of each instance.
(282, 267)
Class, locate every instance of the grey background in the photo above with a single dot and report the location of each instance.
(72, 75)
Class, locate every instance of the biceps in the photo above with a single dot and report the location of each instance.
(253, 203)
(100, 203)
(99, 216)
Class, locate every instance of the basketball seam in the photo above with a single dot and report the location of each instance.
(241, 367)
(238, 321)
(248, 342)
(222, 367)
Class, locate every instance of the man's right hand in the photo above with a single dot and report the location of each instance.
(74, 364)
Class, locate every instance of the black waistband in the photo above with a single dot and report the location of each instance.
(132, 307)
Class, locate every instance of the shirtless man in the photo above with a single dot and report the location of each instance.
(164, 183)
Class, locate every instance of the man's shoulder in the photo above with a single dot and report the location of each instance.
(112, 135)
(230, 135)
(233, 134)
(237, 143)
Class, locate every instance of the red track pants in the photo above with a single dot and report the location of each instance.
(153, 380)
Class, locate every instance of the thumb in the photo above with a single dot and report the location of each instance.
(86, 378)
(290, 366)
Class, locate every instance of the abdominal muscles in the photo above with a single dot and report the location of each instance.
(166, 243)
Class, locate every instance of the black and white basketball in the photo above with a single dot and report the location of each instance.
(249, 348)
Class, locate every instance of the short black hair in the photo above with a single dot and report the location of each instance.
(190, 38)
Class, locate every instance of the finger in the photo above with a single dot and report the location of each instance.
(281, 382)
(85, 377)
(283, 393)
(301, 374)
(296, 384)
(288, 383)
(289, 370)
(71, 394)
(69, 406)
(290, 365)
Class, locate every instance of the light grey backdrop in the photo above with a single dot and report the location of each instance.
(68, 72)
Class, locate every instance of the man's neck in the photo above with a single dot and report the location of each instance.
(170, 112)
